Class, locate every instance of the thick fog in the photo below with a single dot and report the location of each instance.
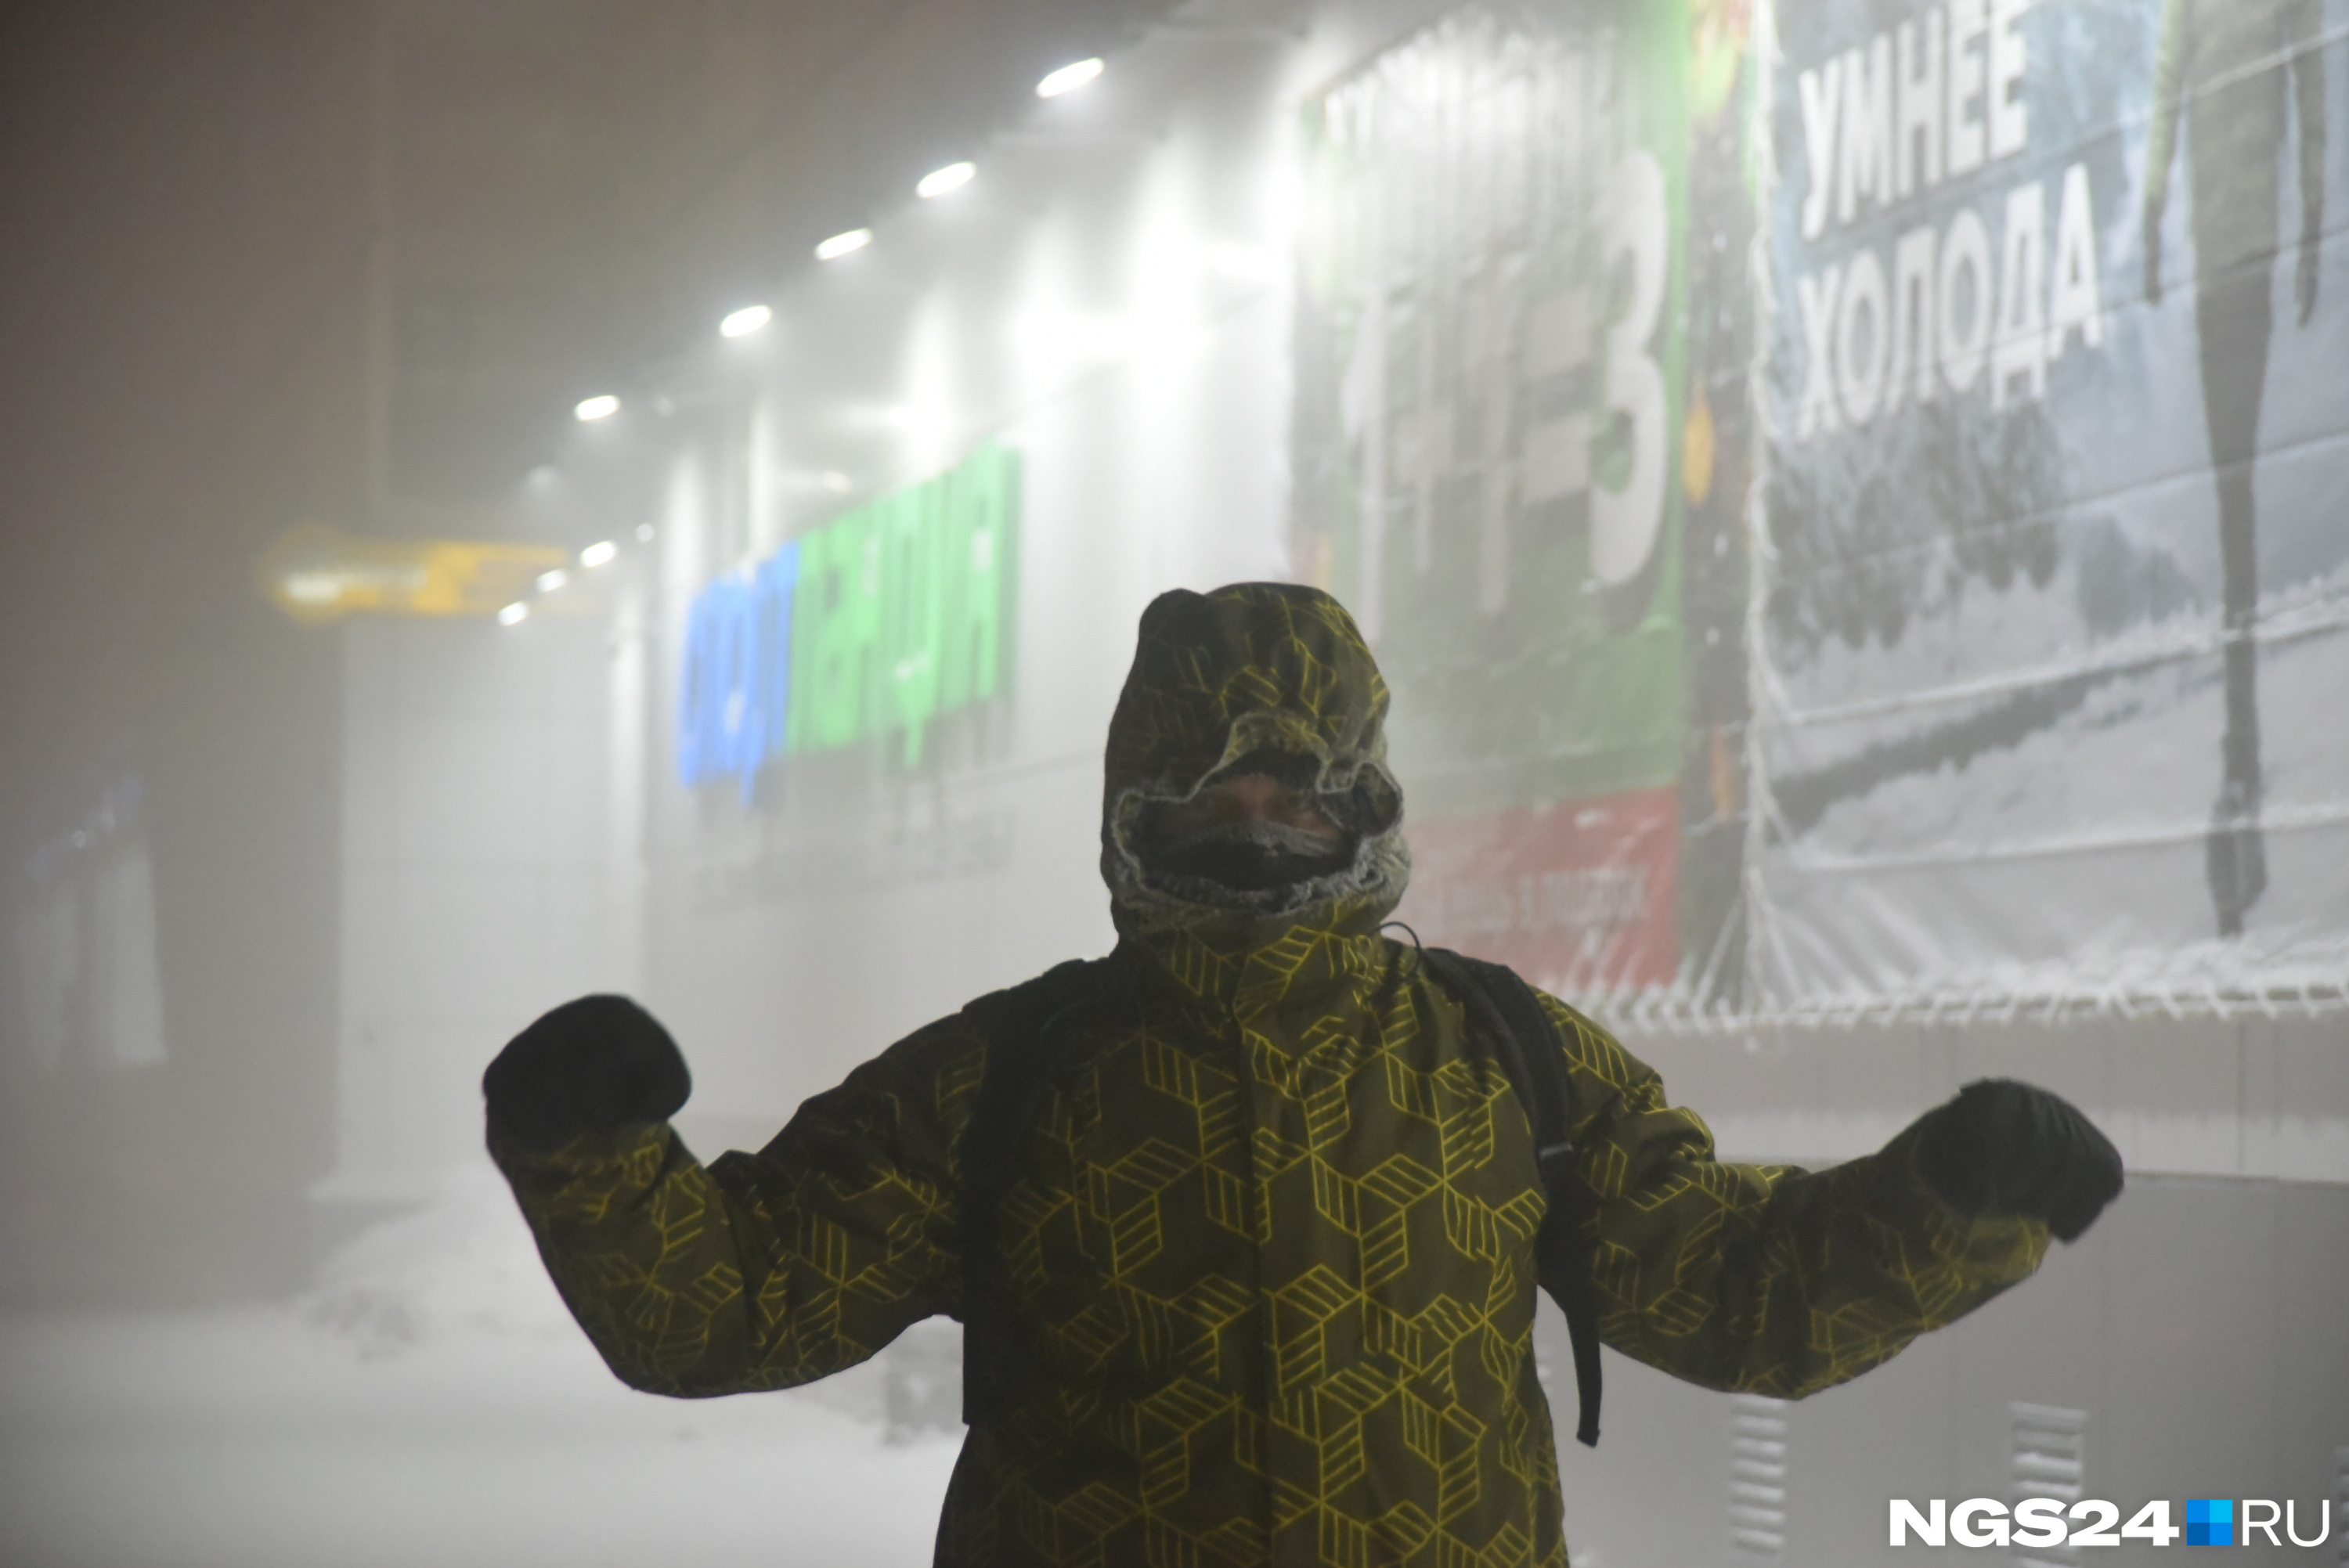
(507, 503)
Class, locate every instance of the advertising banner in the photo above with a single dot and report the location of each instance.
(1494, 449)
(2053, 615)
(1576, 896)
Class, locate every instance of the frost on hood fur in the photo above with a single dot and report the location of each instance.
(1218, 677)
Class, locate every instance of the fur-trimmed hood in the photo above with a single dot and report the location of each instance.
(1219, 676)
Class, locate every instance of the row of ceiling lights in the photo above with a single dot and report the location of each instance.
(750, 318)
(602, 553)
(938, 183)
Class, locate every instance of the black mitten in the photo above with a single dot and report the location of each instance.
(2005, 1148)
(596, 1063)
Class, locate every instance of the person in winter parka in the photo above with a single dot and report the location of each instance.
(1257, 1263)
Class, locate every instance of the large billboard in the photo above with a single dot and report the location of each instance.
(2054, 614)
(1507, 437)
(1847, 493)
(1491, 361)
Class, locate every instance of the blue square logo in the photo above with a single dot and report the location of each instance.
(2209, 1521)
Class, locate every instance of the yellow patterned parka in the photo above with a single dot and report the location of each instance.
(1268, 1234)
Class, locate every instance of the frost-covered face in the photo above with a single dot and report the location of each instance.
(1249, 799)
(1245, 771)
(1251, 833)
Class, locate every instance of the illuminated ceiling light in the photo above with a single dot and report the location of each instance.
(601, 407)
(600, 553)
(745, 322)
(1067, 78)
(835, 481)
(548, 581)
(514, 614)
(841, 245)
(938, 182)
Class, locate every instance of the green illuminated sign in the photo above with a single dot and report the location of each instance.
(868, 628)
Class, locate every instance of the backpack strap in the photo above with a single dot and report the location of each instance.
(1013, 1078)
(1508, 1014)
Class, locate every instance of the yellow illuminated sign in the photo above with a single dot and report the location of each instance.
(315, 574)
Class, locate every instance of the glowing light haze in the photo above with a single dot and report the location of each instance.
(1069, 79)
(746, 321)
(940, 181)
(841, 244)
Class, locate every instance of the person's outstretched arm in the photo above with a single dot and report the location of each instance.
(1774, 1280)
(759, 1270)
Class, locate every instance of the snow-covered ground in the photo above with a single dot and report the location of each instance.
(431, 1403)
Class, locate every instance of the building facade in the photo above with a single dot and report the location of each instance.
(1856, 627)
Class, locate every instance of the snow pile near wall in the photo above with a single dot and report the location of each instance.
(463, 1267)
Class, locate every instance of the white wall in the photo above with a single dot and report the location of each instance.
(491, 792)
